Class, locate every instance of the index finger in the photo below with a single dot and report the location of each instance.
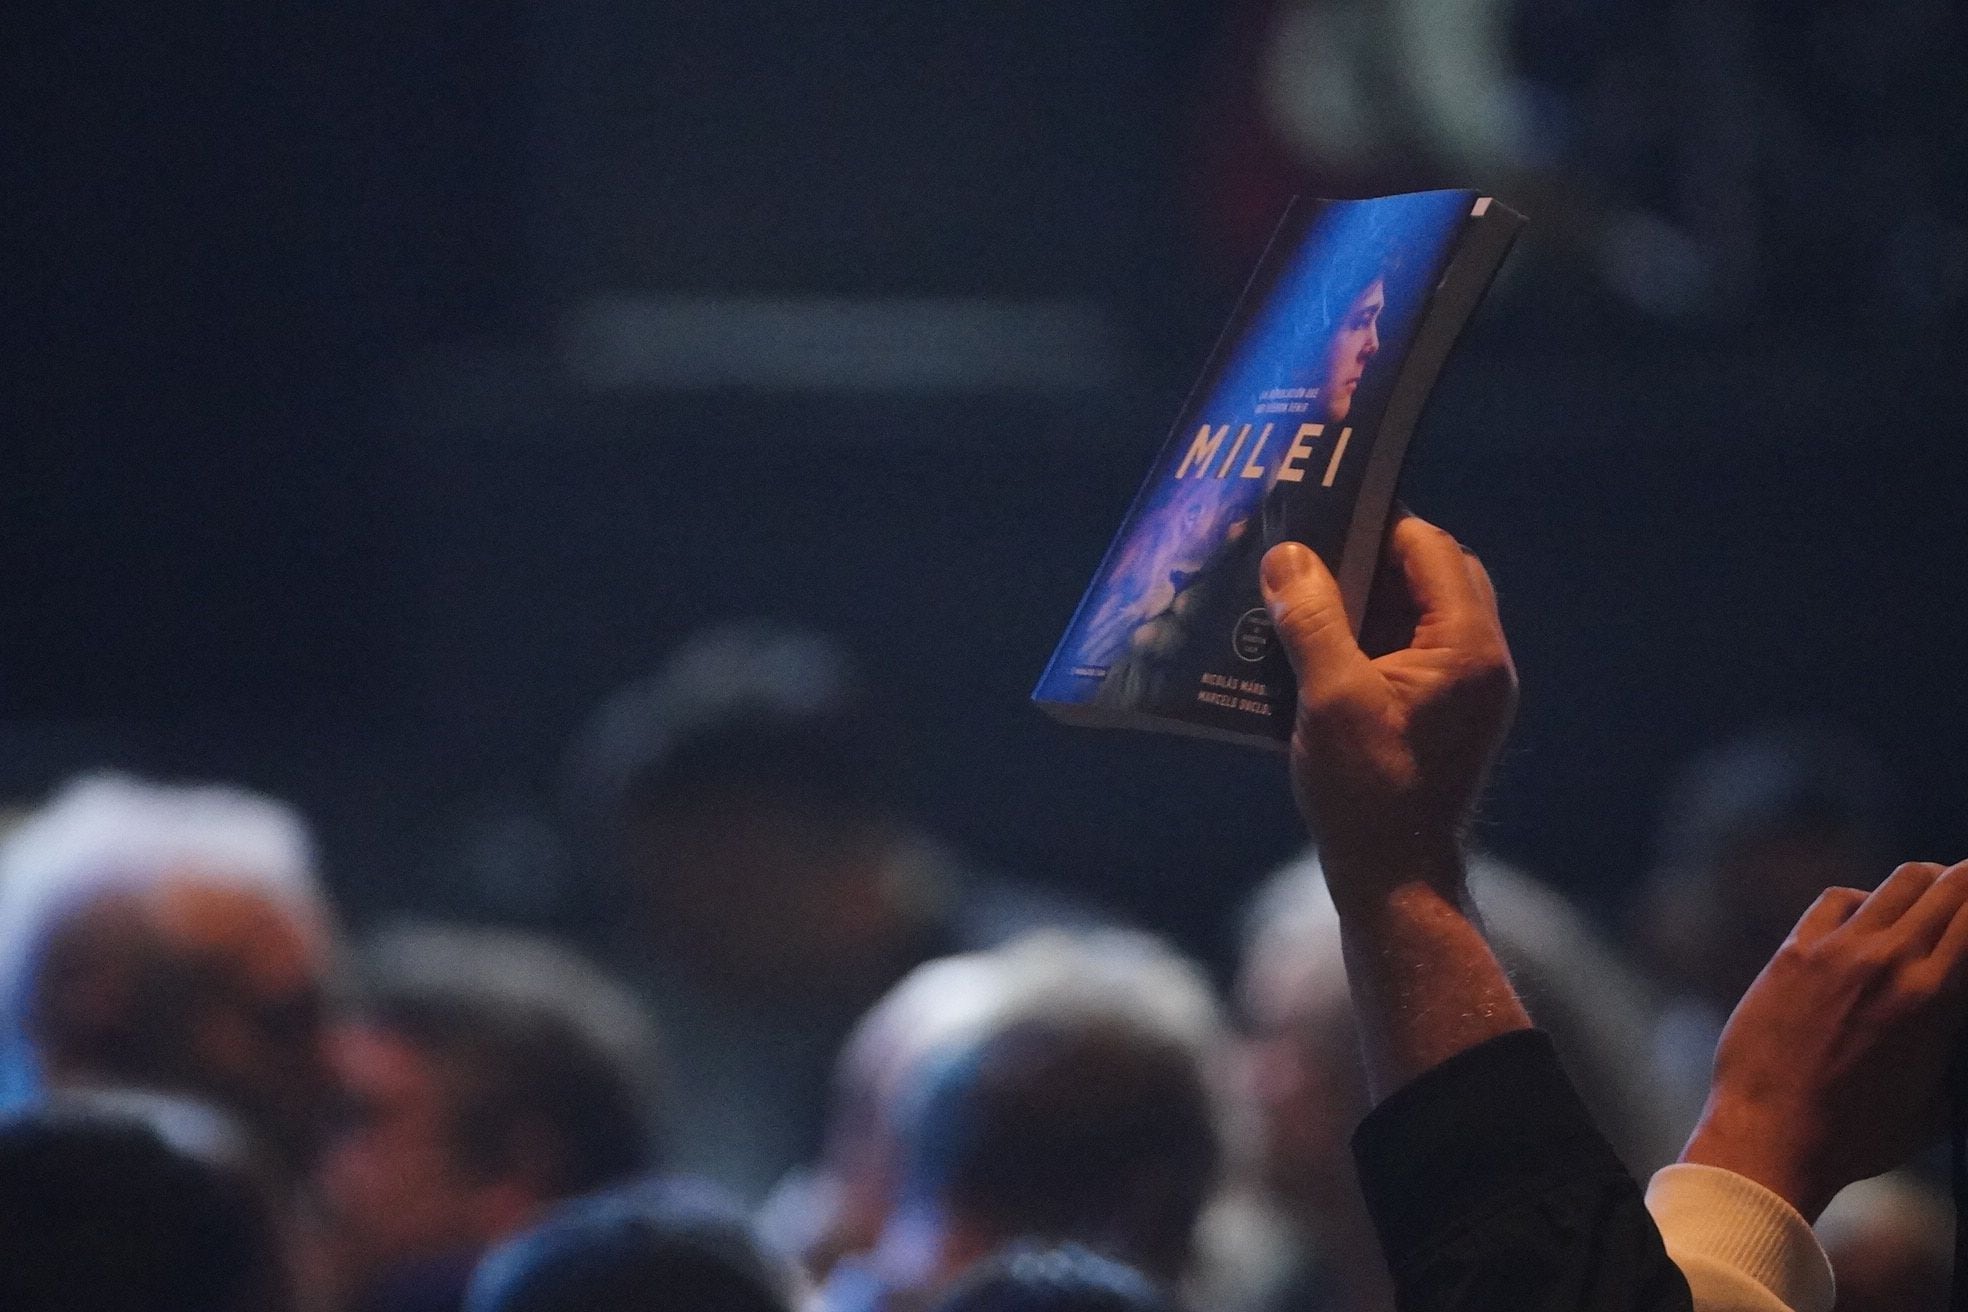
(1832, 909)
(1952, 949)
(1437, 573)
(1896, 896)
(1927, 920)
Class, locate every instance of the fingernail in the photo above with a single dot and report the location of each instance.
(1285, 564)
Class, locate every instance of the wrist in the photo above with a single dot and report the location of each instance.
(1425, 984)
(1748, 1140)
(1365, 876)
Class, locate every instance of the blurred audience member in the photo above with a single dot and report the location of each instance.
(104, 1210)
(175, 939)
(1065, 1279)
(838, 1207)
(1083, 1111)
(1303, 1070)
(634, 1250)
(745, 802)
(487, 1075)
(1891, 1244)
(1753, 831)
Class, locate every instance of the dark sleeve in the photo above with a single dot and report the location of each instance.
(1492, 1189)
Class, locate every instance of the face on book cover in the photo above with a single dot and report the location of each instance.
(1354, 342)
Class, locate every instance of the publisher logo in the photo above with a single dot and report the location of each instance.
(1252, 638)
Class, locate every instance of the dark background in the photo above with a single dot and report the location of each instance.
(312, 480)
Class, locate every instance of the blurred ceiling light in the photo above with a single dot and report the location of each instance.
(617, 343)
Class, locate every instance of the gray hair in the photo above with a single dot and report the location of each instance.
(105, 834)
(1126, 976)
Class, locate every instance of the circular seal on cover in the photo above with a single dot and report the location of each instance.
(1253, 636)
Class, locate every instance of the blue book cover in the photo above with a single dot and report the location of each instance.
(1296, 431)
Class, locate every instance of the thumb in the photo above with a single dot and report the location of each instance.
(1308, 614)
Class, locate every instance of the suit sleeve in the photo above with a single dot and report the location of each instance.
(1491, 1188)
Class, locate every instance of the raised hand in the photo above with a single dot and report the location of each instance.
(1835, 1065)
(1388, 753)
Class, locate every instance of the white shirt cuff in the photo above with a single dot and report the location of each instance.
(1741, 1247)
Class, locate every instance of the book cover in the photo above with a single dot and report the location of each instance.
(1296, 431)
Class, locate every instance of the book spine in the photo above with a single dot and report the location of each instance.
(1471, 267)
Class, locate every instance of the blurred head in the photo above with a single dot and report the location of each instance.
(1066, 1279)
(1753, 831)
(743, 796)
(841, 1207)
(1300, 1053)
(1084, 1113)
(1891, 1245)
(486, 1075)
(173, 938)
(98, 1210)
(631, 1251)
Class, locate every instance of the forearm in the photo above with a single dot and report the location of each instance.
(1425, 984)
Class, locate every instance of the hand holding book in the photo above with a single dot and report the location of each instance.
(1388, 752)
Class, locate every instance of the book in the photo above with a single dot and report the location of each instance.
(1296, 431)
